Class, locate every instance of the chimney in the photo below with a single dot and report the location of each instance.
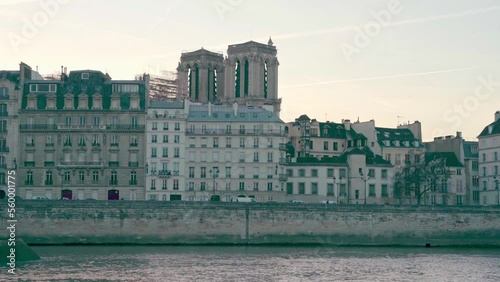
(347, 124)
(209, 109)
(235, 108)
(459, 134)
(497, 115)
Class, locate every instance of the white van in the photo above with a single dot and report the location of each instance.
(39, 198)
(245, 200)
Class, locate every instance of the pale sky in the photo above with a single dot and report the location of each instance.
(425, 63)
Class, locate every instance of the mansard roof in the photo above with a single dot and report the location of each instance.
(332, 130)
(395, 136)
(451, 158)
(226, 113)
(491, 129)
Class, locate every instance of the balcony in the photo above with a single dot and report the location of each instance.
(114, 144)
(113, 164)
(282, 147)
(32, 127)
(164, 173)
(113, 182)
(219, 131)
(283, 161)
(175, 173)
(71, 164)
(126, 127)
(29, 164)
(133, 164)
(80, 127)
(4, 149)
(48, 164)
(283, 177)
(96, 144)
(133, 145)
(67, 144)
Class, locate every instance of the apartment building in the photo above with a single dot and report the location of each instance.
(489, 162)
(166, 150)
(82, 137)
(234, 151)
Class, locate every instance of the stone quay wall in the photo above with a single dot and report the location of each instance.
(155, 222)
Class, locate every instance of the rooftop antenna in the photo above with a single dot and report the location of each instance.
(399, 117)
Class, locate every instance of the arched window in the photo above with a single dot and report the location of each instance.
(246, 78)
(265, 78)
(237, 79)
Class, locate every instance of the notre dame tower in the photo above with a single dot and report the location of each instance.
(248, 76)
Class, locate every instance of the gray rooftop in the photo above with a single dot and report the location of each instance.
(224, 113)
(166, 105)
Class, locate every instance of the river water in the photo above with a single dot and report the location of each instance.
(206, 263)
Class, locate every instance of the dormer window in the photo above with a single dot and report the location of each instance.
(416, 144)
(115, 102)
(134, 102)
(407, 143)
(51, 102)
(31, 102)
(396, 143)
(387, 142)
(85, 75)
(83, 101)
(68, 102)
(97, 102)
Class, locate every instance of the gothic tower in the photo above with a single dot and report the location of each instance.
(201, 76)
(251, 71)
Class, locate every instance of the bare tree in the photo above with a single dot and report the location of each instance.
(420, 175)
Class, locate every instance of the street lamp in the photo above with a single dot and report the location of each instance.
(365, 178)
(215, 173)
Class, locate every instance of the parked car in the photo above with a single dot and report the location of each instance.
(39, 198)
(297, 201)
(64, 198)
(328, 202)
(245, 200)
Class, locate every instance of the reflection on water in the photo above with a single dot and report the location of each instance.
(162, 263)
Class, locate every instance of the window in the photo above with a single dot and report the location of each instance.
(85, 75)
(314, 188)
(153, 152)
(29, 178)
(342, 173)
(165, 138)
(154, 126)
(329, 190)
(325, 145)
(335, 146)
(81, 176)
(154, 138)
(356, 194)
(177, 153)
(329, 172)
(153, 184)
(343, 190)
(314, 173)
(242, 129)
(228, 172)
(475, 196)
(269, 142)
(269, 157)
(459, 171)
(228, 129)
(256, 156)
(176, 184)
(228, 142)
(495, 156)
(371, 173)
(242, 142)
(384, 174)
(398, 159)
(289, 188)
(177, 126)
(67, 176)
(177, 138)
(48, 178)
(384, 190)
(164, 152)
(269, 186)
(371, 190)
(241, 186)
(484, 157)
(256, 186)
(289, 172)
(256, 142)
(191, 172)
(133, 178)
(114, 178)
(216, 142)
(302, 172)
(459, 199)
(302, 188)
(203, 172)
(95, 176)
